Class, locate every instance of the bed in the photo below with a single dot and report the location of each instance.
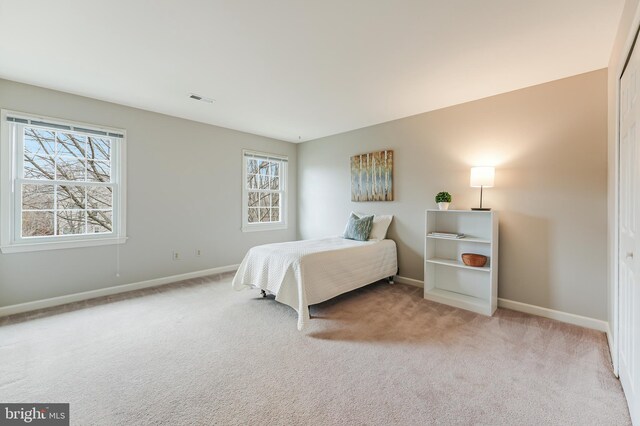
(303, 273)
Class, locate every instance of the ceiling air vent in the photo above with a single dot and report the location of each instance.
(201, 98)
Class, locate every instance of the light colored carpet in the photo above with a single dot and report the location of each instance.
(197, 352)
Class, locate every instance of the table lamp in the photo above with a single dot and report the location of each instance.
(482, 177)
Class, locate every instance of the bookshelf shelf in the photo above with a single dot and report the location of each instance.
(456, 264)
(465, 239)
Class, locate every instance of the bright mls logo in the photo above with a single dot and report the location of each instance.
(34, 414)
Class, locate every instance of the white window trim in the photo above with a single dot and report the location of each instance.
(9, 242)
(268, 226)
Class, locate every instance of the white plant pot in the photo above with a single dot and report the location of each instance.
(443, 206)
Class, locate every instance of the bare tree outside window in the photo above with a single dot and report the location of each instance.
(74, 192)
(264, 187)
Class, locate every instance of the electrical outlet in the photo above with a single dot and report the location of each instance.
(176, 256)
(198, 252)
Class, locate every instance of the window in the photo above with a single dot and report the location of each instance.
(264, 191)
(61, 184)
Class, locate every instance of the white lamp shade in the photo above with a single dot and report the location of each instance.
(482, 176)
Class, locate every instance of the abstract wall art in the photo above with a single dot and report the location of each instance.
(372, 176)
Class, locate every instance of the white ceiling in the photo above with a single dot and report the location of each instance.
(296, 68)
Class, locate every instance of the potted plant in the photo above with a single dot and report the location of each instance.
(443, 199)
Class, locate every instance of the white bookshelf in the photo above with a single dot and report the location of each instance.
(446, 279)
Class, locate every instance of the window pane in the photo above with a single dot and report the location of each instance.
(99, 222)
(71, 145)
(37, 197)
(263, 168)
(263, 182)
(252, 182)
(38, 167)
(253, 215)
(99, 149)
(98, 171)
(71, 222)
(275, 215)
(71, 197)
(38, 141)
(99, 197)
(275, 200)
(265, 215)
(37, 224)
(265, 200)
(275, 169)
(275, 183)
(254, 198)
(70, 168)
(252, 166)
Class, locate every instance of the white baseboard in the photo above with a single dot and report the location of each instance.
(410, 281)
(587, 322)
(92, 294)
(574, 319)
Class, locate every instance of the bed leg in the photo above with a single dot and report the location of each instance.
(391, 280)
(264, 293)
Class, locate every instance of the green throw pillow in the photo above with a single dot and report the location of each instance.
(358, 228)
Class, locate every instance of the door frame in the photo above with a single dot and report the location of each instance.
(613, 334)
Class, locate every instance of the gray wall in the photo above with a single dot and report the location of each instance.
(549, 146)
(184, 193)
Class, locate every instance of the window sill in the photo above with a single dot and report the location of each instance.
(264, 227)
(55, 245)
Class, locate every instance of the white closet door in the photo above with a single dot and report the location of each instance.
(629, 253)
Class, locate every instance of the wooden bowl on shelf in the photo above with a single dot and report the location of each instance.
(475, 260)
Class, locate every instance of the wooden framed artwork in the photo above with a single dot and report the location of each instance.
(372, 176)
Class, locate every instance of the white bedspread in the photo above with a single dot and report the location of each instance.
(303, 273)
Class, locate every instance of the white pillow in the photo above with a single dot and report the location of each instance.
(380, 225)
